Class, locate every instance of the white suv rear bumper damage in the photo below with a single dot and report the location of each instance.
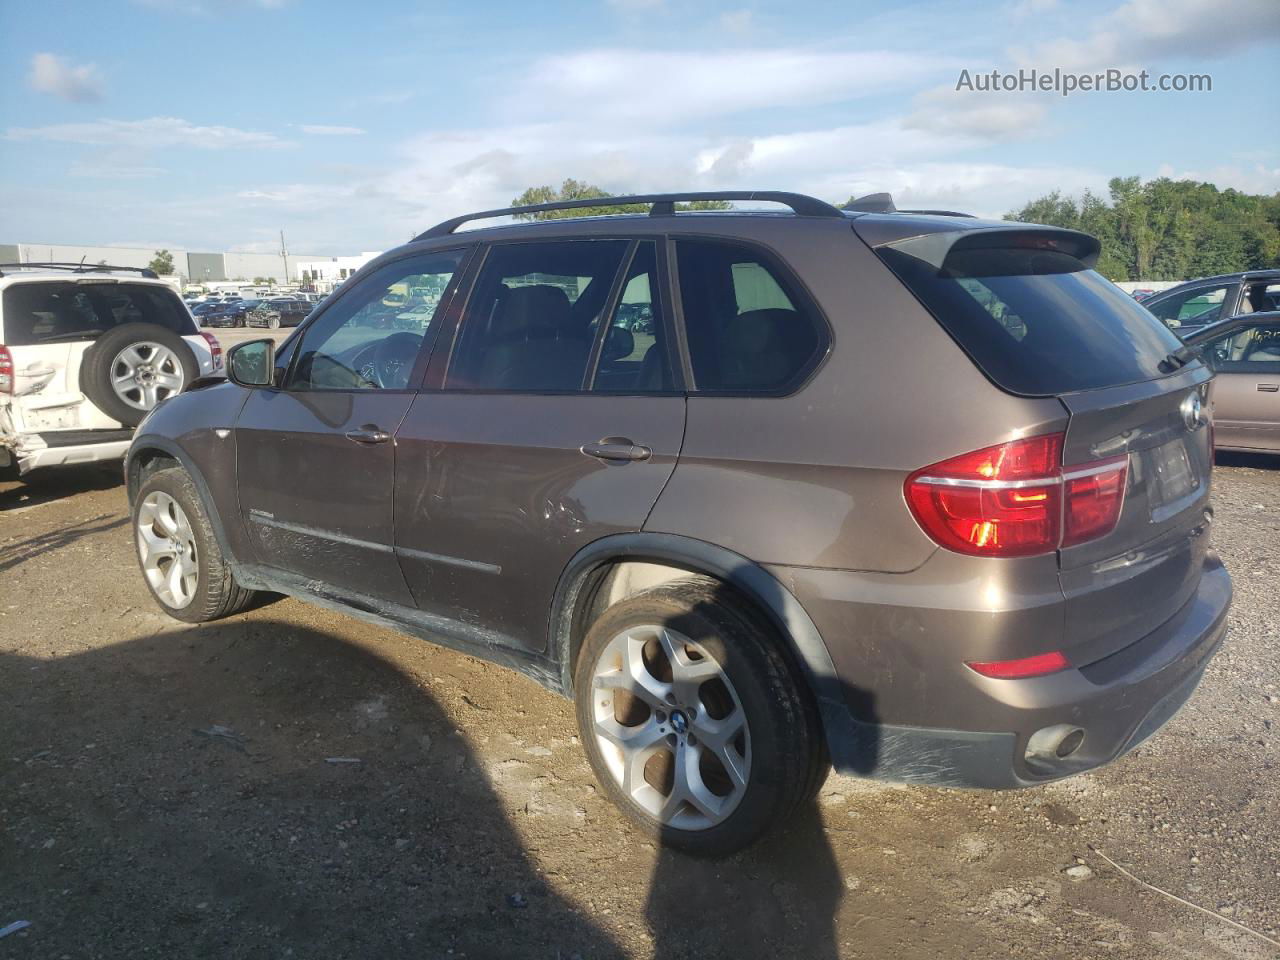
(30, 457)
(28, 450)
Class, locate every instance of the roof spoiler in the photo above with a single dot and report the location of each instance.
(883, 203)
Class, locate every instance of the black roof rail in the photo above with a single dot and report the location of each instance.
(660, 205)
(79, 268)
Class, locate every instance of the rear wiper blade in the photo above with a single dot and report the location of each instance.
(1179, 358)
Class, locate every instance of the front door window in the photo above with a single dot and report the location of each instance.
(370, 339)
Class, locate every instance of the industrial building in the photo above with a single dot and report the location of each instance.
(192, 266)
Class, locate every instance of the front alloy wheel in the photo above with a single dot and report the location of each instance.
(167, 549)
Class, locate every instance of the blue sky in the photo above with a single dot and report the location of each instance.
(213, 124)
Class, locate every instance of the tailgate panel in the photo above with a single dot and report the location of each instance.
(1122, 586)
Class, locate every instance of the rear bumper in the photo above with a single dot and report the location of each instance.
(30, 457)
(1118, 702)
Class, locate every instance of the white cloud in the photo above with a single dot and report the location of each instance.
(1258, 178)
(1142, 31)
(636, 6)
(1021, 9)
(442, 174)
(737, 21)
(152, 133)
(53, 74)
(603, 82)
(114, 171)
(1002, 116)
(327, 130)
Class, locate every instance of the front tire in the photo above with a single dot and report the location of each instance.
(693, 720)
(181, 561)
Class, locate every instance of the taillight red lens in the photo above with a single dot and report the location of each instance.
(1038, 666)
(1002, 501)
(1013, 499)
(1092, 500)
(214, 347)
(6, 370)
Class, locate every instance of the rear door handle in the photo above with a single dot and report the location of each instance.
(1269, 387)
(616, 448)
(369, 433)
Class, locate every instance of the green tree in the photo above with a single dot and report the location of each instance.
(1168, 229)
(162, 263)
(576, 190)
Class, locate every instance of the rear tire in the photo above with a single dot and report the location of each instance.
(171, 529)
(689, 670)
(125, 383)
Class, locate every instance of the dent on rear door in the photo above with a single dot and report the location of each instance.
(494, 496)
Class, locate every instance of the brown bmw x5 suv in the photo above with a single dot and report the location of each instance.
(912, 494)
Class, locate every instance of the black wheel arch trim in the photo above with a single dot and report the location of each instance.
(845, 736)
(171, 449)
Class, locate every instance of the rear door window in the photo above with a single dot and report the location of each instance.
(60, 311)
(533, 315)
(747, 327)
(1035, 319)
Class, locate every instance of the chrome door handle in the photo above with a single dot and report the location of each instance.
(616, 448)
(368, 434)
(1269, 387)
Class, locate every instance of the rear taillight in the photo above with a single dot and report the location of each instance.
(215, 348)
(6, 370)
(1016, 500)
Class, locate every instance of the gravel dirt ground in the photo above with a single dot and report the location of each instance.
(294, 783)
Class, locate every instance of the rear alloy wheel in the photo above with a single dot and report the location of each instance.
(693, 720)
(144, 373)
(179, 555)
(686, 763)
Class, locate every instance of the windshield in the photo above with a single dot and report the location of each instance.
(48, 312)
(1037, 321)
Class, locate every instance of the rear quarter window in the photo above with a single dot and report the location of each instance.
(1037, 321)
(60, 311)
(749, 328)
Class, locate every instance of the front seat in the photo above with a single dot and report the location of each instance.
(537, 345)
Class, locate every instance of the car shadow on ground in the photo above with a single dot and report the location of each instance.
(20, 551)
(1234, 458)
(175, 794)
(54, 483)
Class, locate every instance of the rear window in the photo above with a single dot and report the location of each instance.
(65, 310)
(1035, 319)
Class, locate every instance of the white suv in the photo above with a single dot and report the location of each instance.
(85, 353)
